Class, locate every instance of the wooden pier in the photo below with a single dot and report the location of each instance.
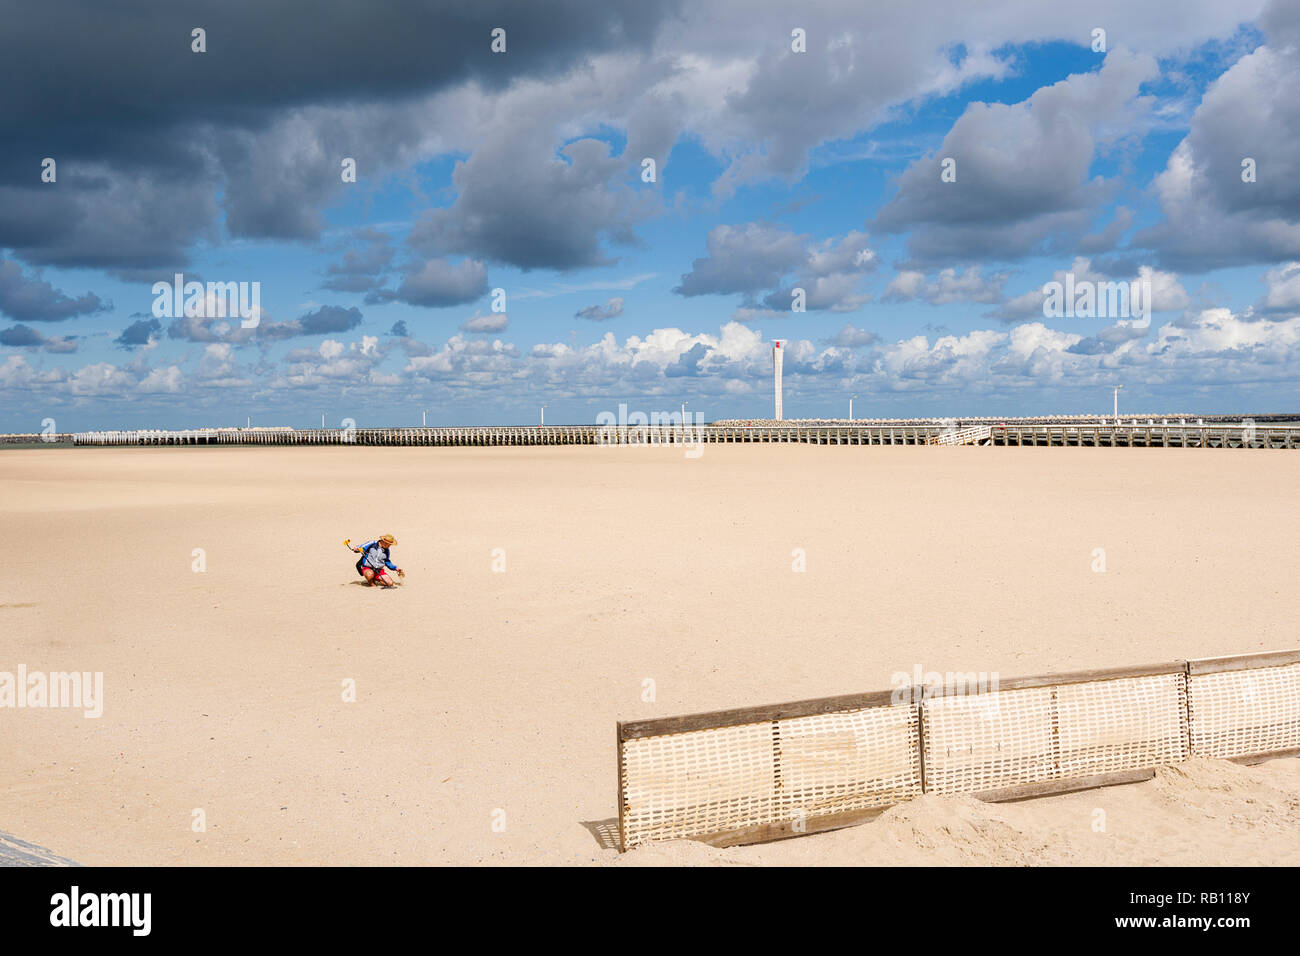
(1018, 434)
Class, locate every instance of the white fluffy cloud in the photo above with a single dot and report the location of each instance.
(1022, 170)
(1167, 292)
(946, 287)
(1213, 217)
(1283, 289)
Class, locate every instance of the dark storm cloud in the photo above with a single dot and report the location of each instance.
(139, 333)
(32, 299)
(145, 131)
(399, 329)
(133, 62)
(119, 220)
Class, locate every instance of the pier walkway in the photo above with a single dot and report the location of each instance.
(1019, 434)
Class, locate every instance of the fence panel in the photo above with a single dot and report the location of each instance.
(765, 773)
(1246, 706)
(1048, 735)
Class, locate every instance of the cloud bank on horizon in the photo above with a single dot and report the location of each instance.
(477, 209)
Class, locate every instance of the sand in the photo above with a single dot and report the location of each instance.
(489, 698)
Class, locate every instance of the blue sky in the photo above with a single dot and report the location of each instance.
(776, 169)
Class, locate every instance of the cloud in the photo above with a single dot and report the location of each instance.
(536, 184)
(32, 299)
(1023, 183)
(139, 332)
(1203, 349)
(211, 328)
(103, 216)
(326, 320)
(332, 364)
(465, 360)
(1221, 335)
(362, 267)
(851, 337)
(1212, 218)
(1112, 337)
(744, 259)
(16, 373)
(161, 380)
(1167, 293)
(756, 256)
(23, 336)
(492, 322)
(599, 313)
(946, 287)
(218, 364)
(438, 284)
(99, 378)
(516, 208)
(330, 319)
(1283, 293)
(137, 188)
(688, 363)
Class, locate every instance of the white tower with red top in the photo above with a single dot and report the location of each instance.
(778, 352)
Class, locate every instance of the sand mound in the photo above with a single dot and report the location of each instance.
(1266, 796)
(1201, 813)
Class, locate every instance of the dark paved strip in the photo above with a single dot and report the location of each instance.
(16, 852)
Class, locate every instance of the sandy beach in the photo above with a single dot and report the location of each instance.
(483, 725)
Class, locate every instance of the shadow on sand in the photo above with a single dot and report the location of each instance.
(605, 832)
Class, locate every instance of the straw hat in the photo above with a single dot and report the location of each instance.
(387, 539)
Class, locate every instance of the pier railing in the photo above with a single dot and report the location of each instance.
(975, 435)
(1019, 434)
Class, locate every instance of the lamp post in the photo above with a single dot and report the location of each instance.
(1117, 388)
(543, 414)
(851, 398)
(684, 404)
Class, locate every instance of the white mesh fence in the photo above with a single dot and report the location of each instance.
(1002, 738)
(1244, 712)
(794, 770)
(722, 779)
